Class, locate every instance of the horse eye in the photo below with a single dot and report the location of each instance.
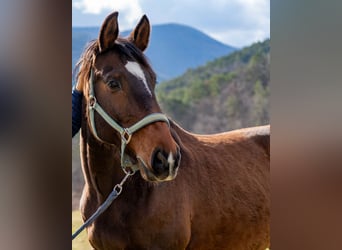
(114, 84)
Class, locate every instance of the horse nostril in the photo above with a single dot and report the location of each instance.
(159, 162)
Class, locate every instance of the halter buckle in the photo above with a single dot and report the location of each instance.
(92, 101)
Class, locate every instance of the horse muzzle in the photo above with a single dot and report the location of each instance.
(164, 166)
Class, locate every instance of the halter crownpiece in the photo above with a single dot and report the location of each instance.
(125, 133)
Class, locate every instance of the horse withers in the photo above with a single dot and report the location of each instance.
(190, 191)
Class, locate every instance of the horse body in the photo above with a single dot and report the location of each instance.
(229, 186)
(219, 200)
(191, 191)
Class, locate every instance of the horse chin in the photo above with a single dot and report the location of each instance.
(148, 175)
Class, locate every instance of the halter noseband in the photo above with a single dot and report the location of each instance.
(125, 133)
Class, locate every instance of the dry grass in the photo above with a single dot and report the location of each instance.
(81, 241)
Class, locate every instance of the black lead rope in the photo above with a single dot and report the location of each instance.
(111, 197)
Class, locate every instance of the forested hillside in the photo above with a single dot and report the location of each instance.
(227, 93)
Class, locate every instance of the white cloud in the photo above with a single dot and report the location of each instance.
(249, 22)
(131, 9)
(235, 22)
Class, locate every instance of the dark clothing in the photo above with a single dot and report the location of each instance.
(76, 111)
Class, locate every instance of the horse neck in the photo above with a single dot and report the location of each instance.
(182, 137)
(189, 145)
(100, 162)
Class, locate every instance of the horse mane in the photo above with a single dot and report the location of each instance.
(125, 49)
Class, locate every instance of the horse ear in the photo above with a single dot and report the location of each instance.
(109, 31)
(141, 34)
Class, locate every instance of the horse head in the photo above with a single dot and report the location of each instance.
(121, 82)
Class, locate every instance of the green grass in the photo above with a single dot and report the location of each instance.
(81, 241)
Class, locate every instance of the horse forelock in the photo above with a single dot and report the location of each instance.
(126, 51)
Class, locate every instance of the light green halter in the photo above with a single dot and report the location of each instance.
(125, 133)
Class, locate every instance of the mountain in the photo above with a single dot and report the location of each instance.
(173, 48)
(227, 93)
(80, 38)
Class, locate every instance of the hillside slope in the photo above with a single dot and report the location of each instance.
(175, 48)
(227, 93)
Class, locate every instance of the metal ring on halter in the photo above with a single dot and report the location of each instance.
(128, 170)
(126, 136)
(92, 101)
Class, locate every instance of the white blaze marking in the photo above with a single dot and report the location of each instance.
(135, 69)
(170, 160)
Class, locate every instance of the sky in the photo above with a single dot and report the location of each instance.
(237, 23)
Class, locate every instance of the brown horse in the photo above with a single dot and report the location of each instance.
(191, 191)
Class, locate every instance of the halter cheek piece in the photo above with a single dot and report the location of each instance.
(125, 133)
